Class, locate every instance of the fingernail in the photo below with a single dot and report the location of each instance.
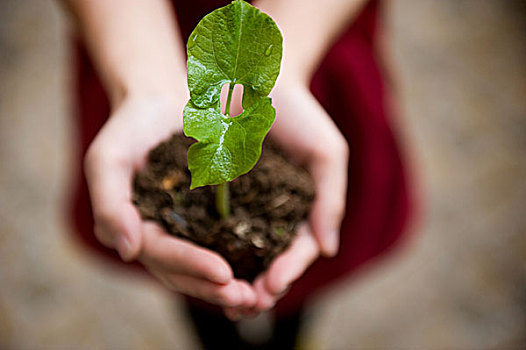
(333, 242)
(124, 247)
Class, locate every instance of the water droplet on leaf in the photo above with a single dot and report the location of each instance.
(268, 51)
(192, 41)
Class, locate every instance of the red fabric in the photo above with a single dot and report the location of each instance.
(350, 86)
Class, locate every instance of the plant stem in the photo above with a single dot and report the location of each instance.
(223, 192)
(223, 200)
(229, 99)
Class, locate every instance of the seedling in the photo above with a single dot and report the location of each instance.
(235, 44)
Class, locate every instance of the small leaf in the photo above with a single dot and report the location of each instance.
(227, 147)
(235, 44)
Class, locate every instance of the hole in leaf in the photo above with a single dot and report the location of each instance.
(236, 107)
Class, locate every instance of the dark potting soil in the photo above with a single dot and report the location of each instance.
(267, 204)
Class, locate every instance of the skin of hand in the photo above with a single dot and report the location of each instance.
(305, 130)
(303, 127)
(143, 71)
(274, 283)
(308, 135)
(120, 149)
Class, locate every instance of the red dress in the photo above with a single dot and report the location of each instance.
(350, 86)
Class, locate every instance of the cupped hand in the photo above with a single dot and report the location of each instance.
(307, 133)
(120, 149)
(309, 136)
(276, 281)
(302, 128)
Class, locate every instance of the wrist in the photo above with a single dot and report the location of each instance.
(290, 83)
(164, 107)
(167, 94)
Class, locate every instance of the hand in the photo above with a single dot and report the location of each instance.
(121, 148)
(304, 129)
(275, 282)
(310, 137)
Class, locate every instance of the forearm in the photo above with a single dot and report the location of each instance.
(135, 44)
(309, 28)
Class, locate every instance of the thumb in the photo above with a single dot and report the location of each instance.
(330, 178)
(117, 221)
(119, 228)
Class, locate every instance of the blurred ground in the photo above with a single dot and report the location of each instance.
(459, 284)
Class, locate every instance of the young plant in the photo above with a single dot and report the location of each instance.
(235, 44)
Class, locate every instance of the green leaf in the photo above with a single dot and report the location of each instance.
(227, 147)
(235, 44)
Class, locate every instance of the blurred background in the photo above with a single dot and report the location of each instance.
(459, 282)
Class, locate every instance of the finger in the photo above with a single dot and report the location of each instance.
(329, 172)
(117, 222)
(291, 264)
(265, 299)
(182, 257)
(232, 295)
(246, 309)
(233, 313)
(249, 294)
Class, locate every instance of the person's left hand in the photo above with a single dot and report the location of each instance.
(309, 136)
(275, 282)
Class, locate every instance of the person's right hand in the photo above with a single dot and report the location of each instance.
(121, 148)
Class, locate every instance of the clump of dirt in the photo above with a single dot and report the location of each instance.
(267, 204)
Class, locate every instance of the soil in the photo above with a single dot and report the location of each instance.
(267, 204)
